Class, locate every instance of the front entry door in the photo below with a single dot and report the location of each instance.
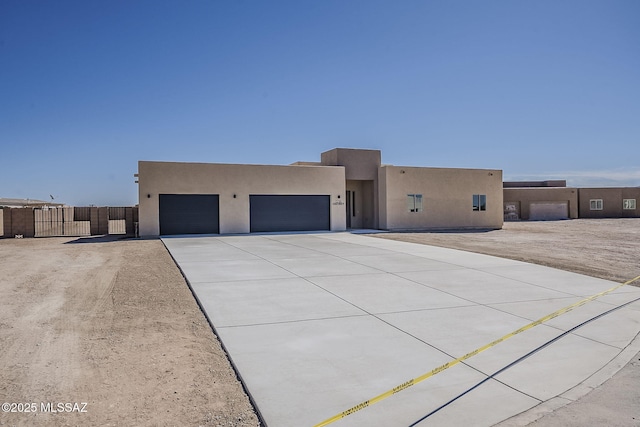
(351, 207)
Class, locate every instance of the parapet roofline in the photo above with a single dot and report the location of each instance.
(296, 164)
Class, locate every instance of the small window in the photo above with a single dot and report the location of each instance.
(628, 203)
(479, 202)
(595, 204)
(414, 202)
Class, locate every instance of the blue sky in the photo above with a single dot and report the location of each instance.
(540, 89)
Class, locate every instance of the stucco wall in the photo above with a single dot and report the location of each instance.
(611, 201)
(359, 164)
(447, 198)
(242, 180)
(525, 196)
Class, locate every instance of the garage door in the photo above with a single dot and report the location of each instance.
(289, 213)
(549, 211)
(189, 214)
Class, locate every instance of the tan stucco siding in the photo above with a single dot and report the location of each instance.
(228, 180)
(447, 196)
(382, 198)
(360, 164)
(611, 202)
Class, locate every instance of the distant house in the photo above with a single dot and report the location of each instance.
(347, 189)
(539, 200)
(553, 200)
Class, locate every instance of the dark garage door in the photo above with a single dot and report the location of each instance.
(189, 214)
(289, 213)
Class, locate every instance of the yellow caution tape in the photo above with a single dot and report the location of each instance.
(454, 362)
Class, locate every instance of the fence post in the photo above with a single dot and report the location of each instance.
(93, 221)
(103, 220)
(6, 217)
(21, 221)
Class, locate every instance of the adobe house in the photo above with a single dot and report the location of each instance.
(347, 189)
(540, 200)
(553, 200)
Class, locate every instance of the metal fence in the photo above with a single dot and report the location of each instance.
(60, 222)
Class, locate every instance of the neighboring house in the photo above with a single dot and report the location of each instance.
(553, 200)
(539, 200)
(347, 189)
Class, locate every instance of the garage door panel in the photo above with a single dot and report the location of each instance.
(549, 211)
(189, 214)
(289, 213)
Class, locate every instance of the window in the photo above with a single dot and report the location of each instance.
(414, 202)
(595, 204)
(353, 203)
(628, 203)
(479, 202)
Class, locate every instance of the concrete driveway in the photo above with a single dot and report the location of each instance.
(319, 323)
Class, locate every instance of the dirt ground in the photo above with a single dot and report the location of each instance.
(605, 248)
(111, 323)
